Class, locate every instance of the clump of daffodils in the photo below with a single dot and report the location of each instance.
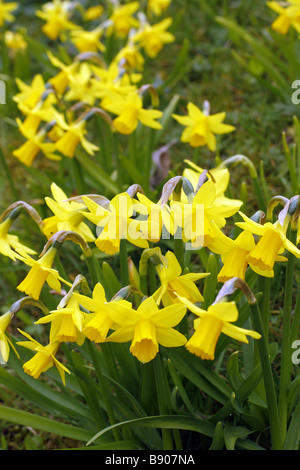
(87, 82)
(193, 209)
(149, 320)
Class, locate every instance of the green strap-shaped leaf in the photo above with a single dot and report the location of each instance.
(24, 418)
(164, 422)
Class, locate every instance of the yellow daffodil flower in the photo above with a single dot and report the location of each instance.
(130, 58)
(30, 95)
(15, 41)
(5, 11)
(74, 135)
(130, 112)
(152, 38)
(123, 20)
(289, 15)
(43, 111)
(9, 243)
(115, 223)
(220, 176)
(88, 41)
(61, 80)
(201, 127)
(98, 322)
(147, 327)
(57, 15)
(113, 80)
(201, 219)
(82, 86)
(217, 319)
(93, 13)
(160, 218)
(4, 339)
(34, 144)
(66, 323)
(44, 358)
(41, 271)
(157, 6)
(272, 243)
(235, 258)
(67, 216)
(174, 282)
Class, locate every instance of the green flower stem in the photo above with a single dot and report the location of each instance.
(124, 263)
(104, 387)
(296, 319)
(77, 175)
(8, 174)
(133, 148)
(103, 157)
(152, 278)
(179, 251)
(164, 398)
(285, 370)
(258, 191)
(147, 385)
(91, 264)
(265, 287)
(118, 159)
(148, 161)
(271, 397)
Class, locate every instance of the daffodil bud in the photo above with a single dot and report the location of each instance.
(134, 277)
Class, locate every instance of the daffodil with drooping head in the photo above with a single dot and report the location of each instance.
(5, 342)
(130, 58)
(30, 95)
(74, 135)
(34, 144)
(93, 13)
(15, 42)
(122, 19)
(273, 242)
(5, 11)
(82, 86)
(289, 15)
(204, 214)
(41, 271)
(157, 7)
(220, 176)
(57, 15)
(113, 79)
(66, 323)
(114, 223)
(61, 80)
(152, 38)
(43, 111)
(174, 283)
(98, 322)
(147, 327)
(159, 219)
(130, 111)
(10, 243)
(67, 215)
(44, 358)
(201, 127)
(217, 319)
(88, 41)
